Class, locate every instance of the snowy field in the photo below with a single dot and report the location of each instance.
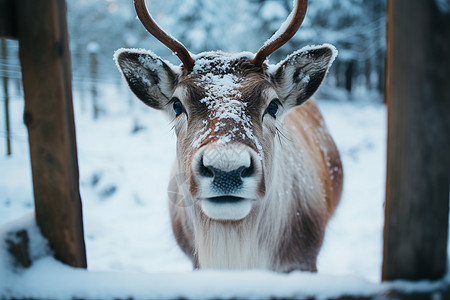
(125, 159)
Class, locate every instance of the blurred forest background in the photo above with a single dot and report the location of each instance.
(99, 27)
(355, 27)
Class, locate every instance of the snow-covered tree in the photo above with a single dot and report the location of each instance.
(205, 25)
(355, 27)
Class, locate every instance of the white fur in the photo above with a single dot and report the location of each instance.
(222, 245)
(226, 158)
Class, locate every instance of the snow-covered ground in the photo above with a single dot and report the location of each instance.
(125, 161)
(50, 279)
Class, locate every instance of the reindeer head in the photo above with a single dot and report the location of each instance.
(227, 110)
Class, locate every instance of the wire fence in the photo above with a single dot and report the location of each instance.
(91, 86)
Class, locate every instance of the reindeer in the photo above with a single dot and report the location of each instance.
(259, 176)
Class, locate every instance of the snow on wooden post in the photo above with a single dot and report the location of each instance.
(46, 73)
(418, 161)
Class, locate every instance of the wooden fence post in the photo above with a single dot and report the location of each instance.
(45, 61)
(418, 161)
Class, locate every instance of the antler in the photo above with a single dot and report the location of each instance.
(162, 36)
(280, 38)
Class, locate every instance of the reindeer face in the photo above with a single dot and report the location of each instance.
(220, 133)
(227, 113)
(226, 110)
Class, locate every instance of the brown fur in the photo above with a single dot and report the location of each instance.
(307, 118)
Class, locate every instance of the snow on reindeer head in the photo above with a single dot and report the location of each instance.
(227, 109)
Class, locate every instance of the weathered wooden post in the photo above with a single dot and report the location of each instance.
(46, 71)
(418, 161)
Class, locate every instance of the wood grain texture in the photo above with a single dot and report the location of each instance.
(418, 164)
(45, 61)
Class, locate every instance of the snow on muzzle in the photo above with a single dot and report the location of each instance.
(227, 177)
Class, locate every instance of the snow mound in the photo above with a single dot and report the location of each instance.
(47, 278)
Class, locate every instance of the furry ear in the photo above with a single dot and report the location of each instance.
(150, 78)
(299, 76)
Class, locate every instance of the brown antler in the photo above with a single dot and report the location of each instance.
(279, 39)
(162, 36)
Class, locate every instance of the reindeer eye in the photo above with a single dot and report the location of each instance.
(272, 109)
(177, 106)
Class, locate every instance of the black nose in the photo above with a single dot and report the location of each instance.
(226, 182)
